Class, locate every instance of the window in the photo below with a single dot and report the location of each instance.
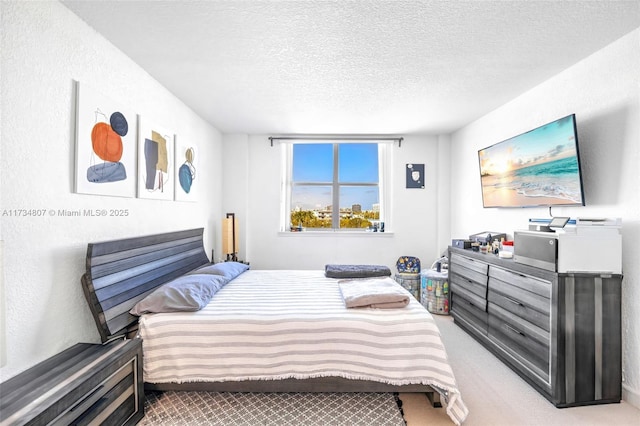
(334, 186)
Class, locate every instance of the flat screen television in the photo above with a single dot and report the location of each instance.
(538, 168)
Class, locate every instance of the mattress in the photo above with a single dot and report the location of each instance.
(271, 325)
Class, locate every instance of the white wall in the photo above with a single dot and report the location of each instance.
(234, 200)
(415, 211)
(45, 48)
(603, 91)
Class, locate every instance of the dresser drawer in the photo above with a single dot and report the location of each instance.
(521, 296)
(517, 307)
(469, 274)
(533, 285)
(86, 384)
(524, 342)
(470, 290)
(467, 311)
(468, 279)
(532, 336)
(468, 263)
(112, 401)
(517, 351)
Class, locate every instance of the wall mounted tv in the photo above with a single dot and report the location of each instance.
(538, 168)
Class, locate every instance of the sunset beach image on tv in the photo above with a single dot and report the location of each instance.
(537, 168)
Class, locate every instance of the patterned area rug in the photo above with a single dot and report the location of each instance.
(273, 409)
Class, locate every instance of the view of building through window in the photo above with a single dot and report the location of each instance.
(335, 185)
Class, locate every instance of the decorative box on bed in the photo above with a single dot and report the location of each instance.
(269, 331)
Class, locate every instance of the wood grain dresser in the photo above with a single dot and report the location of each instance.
(84, 385)
(560, 332)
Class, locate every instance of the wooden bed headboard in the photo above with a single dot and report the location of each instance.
(122, 272)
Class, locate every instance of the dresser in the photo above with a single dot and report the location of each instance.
(560, 332)
(87, 384)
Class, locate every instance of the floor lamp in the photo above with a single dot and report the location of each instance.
(230, 237)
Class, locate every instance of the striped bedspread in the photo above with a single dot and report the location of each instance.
(270, 325)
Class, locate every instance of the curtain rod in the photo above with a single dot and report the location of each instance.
(336, 138)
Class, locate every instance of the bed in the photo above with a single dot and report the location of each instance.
(263, 330)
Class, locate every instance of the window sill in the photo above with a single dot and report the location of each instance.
(333, 234)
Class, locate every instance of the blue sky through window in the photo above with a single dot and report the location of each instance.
(358, 163)
(314, 163)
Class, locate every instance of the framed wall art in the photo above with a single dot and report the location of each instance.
(415, 176)
(105, 145)
(156, 176)
(186, 171)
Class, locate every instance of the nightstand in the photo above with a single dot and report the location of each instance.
(85, 384)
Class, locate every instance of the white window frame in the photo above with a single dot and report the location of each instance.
(384, 182)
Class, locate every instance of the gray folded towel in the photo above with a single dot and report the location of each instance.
(380, 293)
(356, 271)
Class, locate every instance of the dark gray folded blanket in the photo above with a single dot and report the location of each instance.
(356, 271)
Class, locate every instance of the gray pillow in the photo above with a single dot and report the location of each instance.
(187, 293)
(229, 270)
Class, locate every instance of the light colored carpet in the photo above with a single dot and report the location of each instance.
(497, 396)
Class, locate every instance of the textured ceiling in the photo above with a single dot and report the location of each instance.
(354, 67)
